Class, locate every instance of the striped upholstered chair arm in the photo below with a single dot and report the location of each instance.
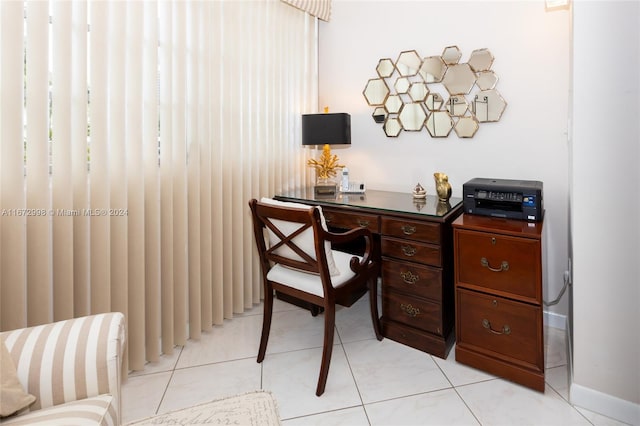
(70, 360)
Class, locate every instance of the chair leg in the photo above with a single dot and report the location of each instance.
(327, 349)
(372, 283)
(266, 322)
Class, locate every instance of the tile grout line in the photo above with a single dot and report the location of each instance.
(354, 378)
(166, 388)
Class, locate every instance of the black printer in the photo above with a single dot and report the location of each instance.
(506, 198)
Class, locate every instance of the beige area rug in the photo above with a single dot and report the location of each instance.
(254, 408)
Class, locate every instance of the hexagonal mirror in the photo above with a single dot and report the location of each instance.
(459, 79)
(457, 105)
(402, 85)
(439, 124)
(392, 127)
(412, 117)
(432, 69)
(376, 91)
(408, 63)
(434, 101)
(418, 91)
(393, 104)
(408, 95)
(486, 80)
(466, 127)
(379, 114)
(385, 67)
(488, 105)
(451, 55)
(480, 60)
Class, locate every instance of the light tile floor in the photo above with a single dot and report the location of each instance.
(370, 382)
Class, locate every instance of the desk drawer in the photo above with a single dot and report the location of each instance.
(410, 250)
(417, 313)
(409, 229)
(410, 278)
(349, 220)
(510, 265)
(418, 339)
(504, 328)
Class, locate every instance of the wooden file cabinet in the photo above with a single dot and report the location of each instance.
(498, 285)
(416, 253)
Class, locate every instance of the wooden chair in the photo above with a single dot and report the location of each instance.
(297, 260)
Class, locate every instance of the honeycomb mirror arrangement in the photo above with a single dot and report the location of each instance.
(438, 93)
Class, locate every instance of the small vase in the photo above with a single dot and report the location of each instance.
(443, 187)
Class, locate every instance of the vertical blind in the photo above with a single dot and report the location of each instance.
(132, 135)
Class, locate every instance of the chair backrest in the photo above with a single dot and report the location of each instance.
(294, 237)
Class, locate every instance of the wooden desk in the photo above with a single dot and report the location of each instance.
(415, 247)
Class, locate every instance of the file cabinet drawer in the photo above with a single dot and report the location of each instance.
(503, 327)
(499, 262)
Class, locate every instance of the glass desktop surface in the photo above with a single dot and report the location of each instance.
(397, 202)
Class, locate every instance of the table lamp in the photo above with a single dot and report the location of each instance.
(326, 129)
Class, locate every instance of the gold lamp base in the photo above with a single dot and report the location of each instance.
(325, 190)
(326, 166)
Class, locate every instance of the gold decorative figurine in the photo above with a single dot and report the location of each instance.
(443, 187)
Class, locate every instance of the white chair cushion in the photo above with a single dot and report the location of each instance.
(310, 283)
(305, 240)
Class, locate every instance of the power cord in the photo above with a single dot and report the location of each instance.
(564, 288)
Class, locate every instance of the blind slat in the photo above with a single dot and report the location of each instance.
(79, 148)
(100, 251)
(37, 163)
(12, 197)
(179, 176)
(165, 31)
(134, 90)
(151, 184)
(61, 162)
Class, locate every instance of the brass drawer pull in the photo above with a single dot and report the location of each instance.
(408, 277)
(505, 329)
(410, 310)
(408, 250)
(504, 266)
(408, 229)
(363, 223)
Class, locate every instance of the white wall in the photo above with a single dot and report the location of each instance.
(531, 49)
(605, 189)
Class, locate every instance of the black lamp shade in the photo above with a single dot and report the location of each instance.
(332, 129)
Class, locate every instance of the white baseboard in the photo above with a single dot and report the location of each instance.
(589, 399)
(602, 403)
(554, 320)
